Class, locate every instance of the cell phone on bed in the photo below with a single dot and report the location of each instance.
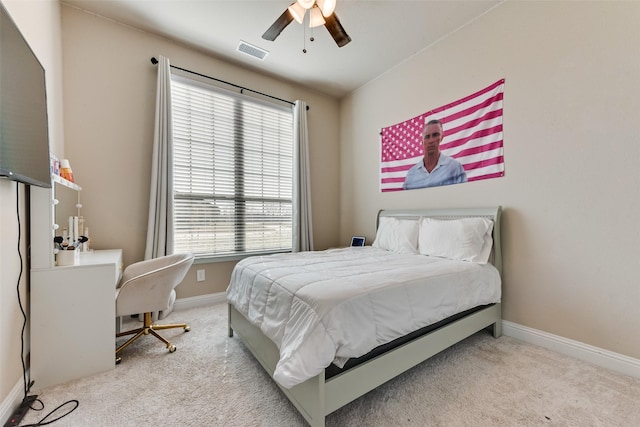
(357, 241)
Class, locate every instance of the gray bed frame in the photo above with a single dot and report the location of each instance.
(318, 397)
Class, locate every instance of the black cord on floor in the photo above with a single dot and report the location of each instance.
(42, 422)
(26, 381)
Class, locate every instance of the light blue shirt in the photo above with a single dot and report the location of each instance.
(447, 171)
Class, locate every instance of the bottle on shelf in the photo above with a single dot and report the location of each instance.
(65, 170)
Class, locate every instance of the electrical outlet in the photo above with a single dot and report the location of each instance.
(200, 275)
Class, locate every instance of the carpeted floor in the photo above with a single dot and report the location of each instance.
(212, 380)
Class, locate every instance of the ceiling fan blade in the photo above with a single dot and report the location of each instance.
(333, 25)
(276, 28)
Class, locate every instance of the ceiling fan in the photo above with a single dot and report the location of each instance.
(320, 13)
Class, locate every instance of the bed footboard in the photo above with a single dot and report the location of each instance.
(317, 397)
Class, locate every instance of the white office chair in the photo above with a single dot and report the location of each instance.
(148, 287)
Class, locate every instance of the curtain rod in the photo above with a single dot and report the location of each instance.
(154, 61)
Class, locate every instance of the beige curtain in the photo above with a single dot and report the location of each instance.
(302, 229)
(159, 240)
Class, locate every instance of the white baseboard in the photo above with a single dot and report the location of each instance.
(598, 356)
(12, 401)
(200, 300)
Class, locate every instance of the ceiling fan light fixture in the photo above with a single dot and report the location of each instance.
(306, 4)
(315, 18)
(327, 6)
(297, 12)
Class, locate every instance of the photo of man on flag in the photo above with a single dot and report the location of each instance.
(459, 142)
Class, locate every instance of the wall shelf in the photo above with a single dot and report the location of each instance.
(60, 180)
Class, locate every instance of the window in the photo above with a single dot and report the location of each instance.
(233, 172)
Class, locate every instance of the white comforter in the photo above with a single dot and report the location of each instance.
(328, 306)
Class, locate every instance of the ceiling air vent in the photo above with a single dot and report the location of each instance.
(252, 50)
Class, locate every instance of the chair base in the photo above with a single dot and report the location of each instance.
(149, 328)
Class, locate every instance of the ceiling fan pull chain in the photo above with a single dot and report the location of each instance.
(304, 33)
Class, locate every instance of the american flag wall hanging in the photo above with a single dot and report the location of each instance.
(472, 135)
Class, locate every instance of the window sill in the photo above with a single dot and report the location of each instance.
(212, 259)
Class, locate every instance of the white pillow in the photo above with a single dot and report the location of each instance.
(466, 239)
(397, 235)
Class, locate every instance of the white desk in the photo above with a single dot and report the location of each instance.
(73, 318)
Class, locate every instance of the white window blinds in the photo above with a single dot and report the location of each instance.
(233, 172)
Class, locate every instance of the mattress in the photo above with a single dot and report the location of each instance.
(329, 306)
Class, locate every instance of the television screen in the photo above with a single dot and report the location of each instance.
(24, 130)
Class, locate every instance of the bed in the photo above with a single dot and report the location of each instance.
(329, 326)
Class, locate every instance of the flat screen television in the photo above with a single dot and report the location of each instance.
(24, 127)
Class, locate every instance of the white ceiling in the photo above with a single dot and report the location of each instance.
(383, 33)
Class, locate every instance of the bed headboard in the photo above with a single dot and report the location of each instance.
(493, 213)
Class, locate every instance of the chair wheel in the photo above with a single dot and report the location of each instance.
(187, 328)
(172, 348)
(118, 360)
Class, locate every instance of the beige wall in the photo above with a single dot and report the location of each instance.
(110, 84)
(39, 23)
(570, 190)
